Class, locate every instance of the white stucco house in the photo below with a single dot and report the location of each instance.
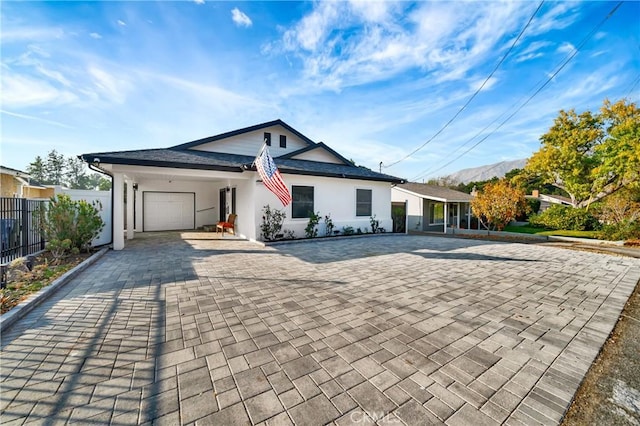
(432, 208)
(199, 183)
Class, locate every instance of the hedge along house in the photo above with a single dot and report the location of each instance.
(433, 208)
(199, 183)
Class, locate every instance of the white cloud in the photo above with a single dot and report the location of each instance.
(97, 36)
(113, 88)
(566, 47)
(240, 18)
(198, 1)
(33, 118)
(122, 23)
(313, 28)
(30, 34)
(532, 51)
(21, 91)
(344, 44)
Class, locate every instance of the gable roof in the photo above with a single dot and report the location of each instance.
(225, 135)
(204, 160)
(319, 145)
(184, 157)
(437, 193)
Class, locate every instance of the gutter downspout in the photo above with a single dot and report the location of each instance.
(95, 169)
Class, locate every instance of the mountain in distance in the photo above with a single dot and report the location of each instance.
(481, 173)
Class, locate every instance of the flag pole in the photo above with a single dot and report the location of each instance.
(264, 145)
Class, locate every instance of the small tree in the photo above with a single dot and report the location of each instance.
(497, 204)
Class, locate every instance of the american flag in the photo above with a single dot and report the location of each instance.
(271, 176)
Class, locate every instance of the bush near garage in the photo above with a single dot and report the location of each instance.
(70, 226)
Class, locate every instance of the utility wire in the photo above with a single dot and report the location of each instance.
(633, 86)
(472, 96)
(570, 57)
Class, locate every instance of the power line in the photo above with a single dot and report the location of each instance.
(633, 86)
(472, 96)
(569, 58)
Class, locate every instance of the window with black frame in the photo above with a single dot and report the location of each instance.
(364, 198)
(302, 201)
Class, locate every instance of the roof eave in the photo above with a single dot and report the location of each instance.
(174, 165)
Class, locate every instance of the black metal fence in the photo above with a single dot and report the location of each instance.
(20, 227)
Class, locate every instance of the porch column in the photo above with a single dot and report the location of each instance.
(406, 216)
(118, 211)
(468, 215)
(458, 216)
(446, 215)
(130, 203)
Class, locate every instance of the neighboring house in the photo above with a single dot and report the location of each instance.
(199, 183)
(547, 201)
(19, 184)
(433, 208)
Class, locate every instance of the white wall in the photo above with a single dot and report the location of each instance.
(251, 142)
(104, 199)
(318, 154)
(331, 196)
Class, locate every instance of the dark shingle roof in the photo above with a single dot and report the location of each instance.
(437, 192)
(202, 160)
(168, 157)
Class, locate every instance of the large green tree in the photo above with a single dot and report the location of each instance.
(57, 169)
(591, 155)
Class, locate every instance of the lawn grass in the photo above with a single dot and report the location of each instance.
(558, 232)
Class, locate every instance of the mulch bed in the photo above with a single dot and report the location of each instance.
(22, 282)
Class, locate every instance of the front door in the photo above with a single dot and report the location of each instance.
(399, 216)
(223, 204)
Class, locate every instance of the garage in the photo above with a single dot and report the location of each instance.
(168, 211)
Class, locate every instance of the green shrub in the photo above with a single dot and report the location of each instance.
(311, 231)
(375, 224)
(328, 225)
(272, 221)
(347, 230)
(70, 226)
(564, 217)
(533, 208)
(88, 224)
(626, 230)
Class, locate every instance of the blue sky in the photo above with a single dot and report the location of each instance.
(373, 80)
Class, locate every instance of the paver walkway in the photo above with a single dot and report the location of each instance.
(413, 329)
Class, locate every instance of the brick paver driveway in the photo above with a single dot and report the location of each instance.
(393, 329)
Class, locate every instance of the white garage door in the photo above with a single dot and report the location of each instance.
(168, 211)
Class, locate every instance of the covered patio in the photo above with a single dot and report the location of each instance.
(433, 208)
